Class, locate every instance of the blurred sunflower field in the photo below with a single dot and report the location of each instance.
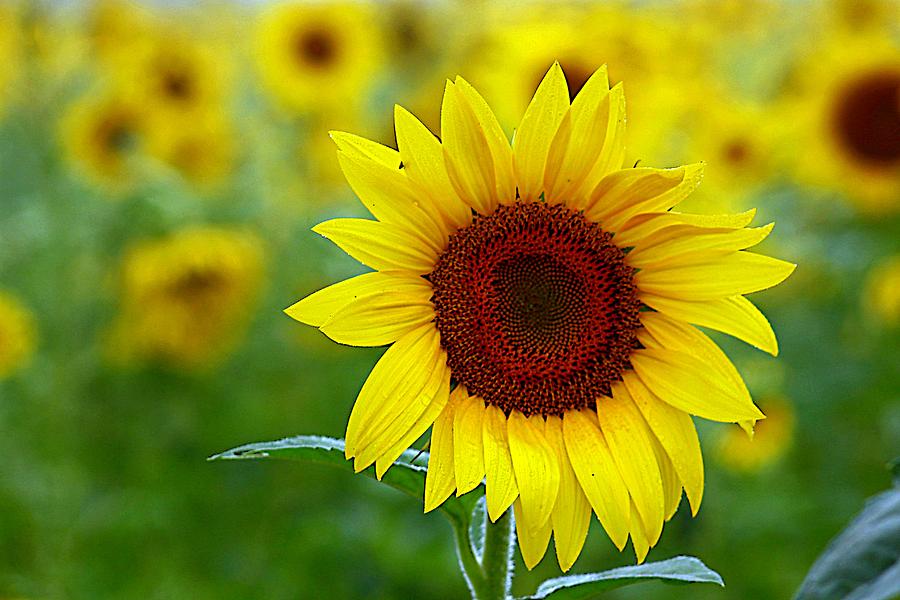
(161, 164)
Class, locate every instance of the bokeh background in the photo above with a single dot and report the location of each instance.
(161, 165)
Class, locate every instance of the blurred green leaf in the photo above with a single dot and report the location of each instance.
(863, 561)
(407, 474)
(681, 569)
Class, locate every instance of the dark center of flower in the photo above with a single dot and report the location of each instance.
(177, 85)
(315, 47)
(197, 286)
(115, 134)
(866, 118)
(737, 151)
(536, 309)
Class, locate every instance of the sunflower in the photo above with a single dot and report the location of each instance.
(17, 335)
(311, 56)
(202, 148)
(116, 27)
(173, 74)
(538, 300)
(100, 134)
(634, 42)
(847, 100)
(738, 143)
(187, 297)
(771, 439)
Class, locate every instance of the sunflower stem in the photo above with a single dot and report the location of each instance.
(496, 561)
(489, 575)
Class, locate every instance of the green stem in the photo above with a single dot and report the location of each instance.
(497, 560)
(489, 578)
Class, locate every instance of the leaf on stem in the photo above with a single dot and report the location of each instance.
(407, 474)
(681, 569)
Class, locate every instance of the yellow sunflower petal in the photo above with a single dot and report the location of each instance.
(468, 441)
(632, 450)
(381, 246)
(402, 371)
(536, 131)
(597, 473)
(645, 224)
(671, 483)
(533, 538)
(627, 192)
(425, 420)
(467, 154)
(378, 319)
(661, 331)
(671, 244)
(613, 152)
(409, 399)
(388, 194)
(571, 514)
(440, 481)
(735, 316)
(720, 277)
(638, 537)
(360, 147)
(733, 221)
(423, 159)
(500, 481)
(498, 143)
(676, 433)
(686, 382)
(576, 150)
(535, 465)
(319, 307)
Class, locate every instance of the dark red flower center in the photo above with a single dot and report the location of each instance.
(315, 47)
(536, 309)
(866, 118)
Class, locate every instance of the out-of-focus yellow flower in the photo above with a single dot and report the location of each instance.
(187, 298)
(858, 16)
(202, 148)
(311, 56)
(17, 335)
(100, 134)
(633, 44)
(173, 74)
(115, 27)
(882, 297)
(848, 120)
(772, 437)
(412, 31)
(737, 141)
(10, 54)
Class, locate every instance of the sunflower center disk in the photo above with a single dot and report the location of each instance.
(867, 119)
(536, 309)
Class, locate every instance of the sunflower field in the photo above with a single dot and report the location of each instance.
(162, 164)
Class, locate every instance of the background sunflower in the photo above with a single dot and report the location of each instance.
(103, 489)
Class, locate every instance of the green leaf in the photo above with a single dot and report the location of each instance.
(681, 569)
(407, 474)
(863, 561)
